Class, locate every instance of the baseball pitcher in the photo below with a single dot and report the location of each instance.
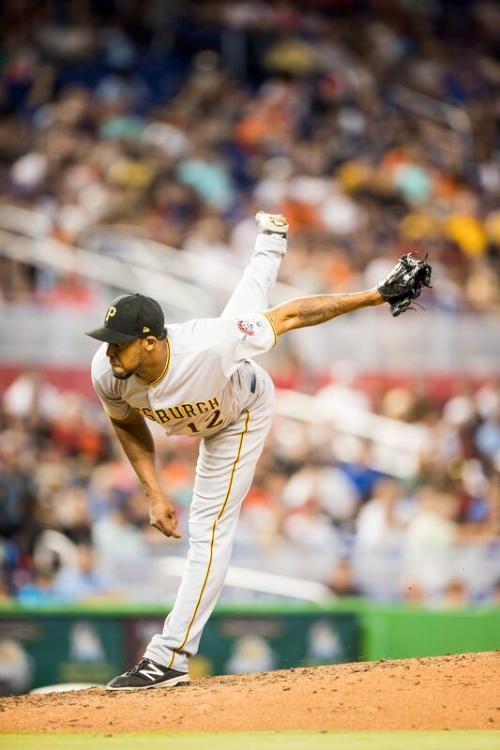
(199, 378)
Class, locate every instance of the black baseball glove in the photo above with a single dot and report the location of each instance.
(405, 282)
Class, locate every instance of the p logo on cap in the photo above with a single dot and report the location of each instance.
(110, 314)
(129, 317)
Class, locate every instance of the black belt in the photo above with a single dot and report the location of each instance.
(253, 380)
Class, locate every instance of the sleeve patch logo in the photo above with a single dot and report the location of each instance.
(246, 327)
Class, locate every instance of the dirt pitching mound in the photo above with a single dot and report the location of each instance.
(450, 692)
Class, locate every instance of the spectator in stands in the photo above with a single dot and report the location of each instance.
(81, 581)
(342, 581)
(40, 590)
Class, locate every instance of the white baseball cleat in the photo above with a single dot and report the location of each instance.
(271, 223)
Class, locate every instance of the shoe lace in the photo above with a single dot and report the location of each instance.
(137, 667)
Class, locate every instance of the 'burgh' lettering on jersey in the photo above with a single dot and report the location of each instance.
(205, 384)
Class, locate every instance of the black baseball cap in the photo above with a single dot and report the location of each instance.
(129, 317)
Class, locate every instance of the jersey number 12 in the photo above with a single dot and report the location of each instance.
(215, 421)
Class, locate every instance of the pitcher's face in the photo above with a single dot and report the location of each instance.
(125, 358)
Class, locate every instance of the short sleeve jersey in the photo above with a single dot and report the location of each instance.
(204, 385)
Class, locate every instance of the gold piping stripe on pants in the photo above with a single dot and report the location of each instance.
(212, 540)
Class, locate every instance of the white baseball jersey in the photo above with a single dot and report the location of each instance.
(205, 383)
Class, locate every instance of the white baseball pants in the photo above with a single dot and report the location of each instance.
(224, 473)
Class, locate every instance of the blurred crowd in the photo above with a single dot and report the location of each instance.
(373, 126)
(74, 524)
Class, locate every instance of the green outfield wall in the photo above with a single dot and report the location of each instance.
(40, 646)
(396, 633)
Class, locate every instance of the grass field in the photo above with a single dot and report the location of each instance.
(398, 740)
